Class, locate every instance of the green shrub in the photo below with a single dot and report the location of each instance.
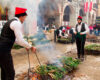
(57, 73)
(93, 47)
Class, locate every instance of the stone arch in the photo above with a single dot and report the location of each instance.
(68, 11)
(66, 16)
(48, 13)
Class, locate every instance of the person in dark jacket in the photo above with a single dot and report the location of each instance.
(95, 29)
(98, 28)
(11, 33)
(80, 31)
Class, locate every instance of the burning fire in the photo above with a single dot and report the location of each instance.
(35, 76)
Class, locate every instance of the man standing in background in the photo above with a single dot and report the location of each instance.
(98, 28)
(80, 31)
(11, 33)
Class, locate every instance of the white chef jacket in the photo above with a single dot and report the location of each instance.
(16, 26)
(60, 31)
(80, 26)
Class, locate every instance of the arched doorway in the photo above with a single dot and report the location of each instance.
(68, 14)
(48, 13)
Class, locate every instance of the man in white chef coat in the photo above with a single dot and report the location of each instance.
(81, 31)
(11, 33)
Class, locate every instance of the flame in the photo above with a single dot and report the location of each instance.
(35, 77)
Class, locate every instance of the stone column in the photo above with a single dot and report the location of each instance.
(98, 9)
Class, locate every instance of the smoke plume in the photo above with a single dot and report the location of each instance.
(37, 11)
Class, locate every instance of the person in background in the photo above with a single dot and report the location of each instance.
(81, 30)
(64, 34)
(91, 28)
(43, 26)
(58, 33)
(62, 30)
(53, 26)
(11, 33)
(71, 31)
(96, 32)
(68, 29)
(98, 27)
(95, 29)
(47, 27)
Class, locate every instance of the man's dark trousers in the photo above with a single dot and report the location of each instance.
(7, 68)
(80, 43)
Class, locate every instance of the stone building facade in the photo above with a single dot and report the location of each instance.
(77, 8)
(98, 3)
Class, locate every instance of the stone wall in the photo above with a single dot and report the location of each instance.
(99, 9)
